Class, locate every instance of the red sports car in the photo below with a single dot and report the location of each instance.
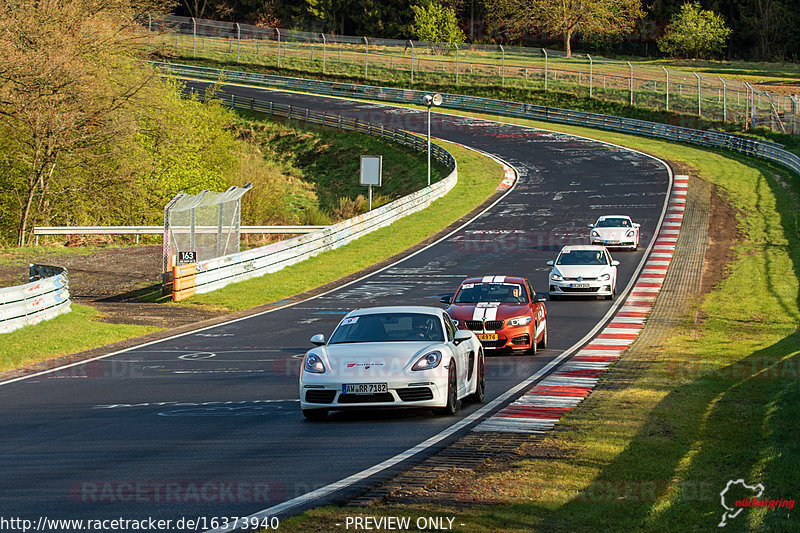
(503, 311)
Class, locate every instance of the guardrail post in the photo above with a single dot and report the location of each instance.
(366, 56)
(591, 72)
(194, 38)
(502, 66)
(631, 84)
(667, 86)
(410, 42)
(545, 68)
(279, 46)
(456, 45)
(238, 40)
(699, 105)
(324, 47)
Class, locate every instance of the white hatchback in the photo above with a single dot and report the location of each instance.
(583, 270)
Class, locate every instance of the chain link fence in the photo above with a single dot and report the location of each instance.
(207, 223)
(407, 61)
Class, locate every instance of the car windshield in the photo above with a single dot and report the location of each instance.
(582, 257)
(614, 223)
(389, 327)
(471, 293)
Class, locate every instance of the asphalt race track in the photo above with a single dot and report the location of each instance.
(208, 424)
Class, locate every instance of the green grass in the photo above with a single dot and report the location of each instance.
(304, 174)
(66, 334)
(717, 402)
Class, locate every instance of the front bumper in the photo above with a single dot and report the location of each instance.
(511, 338)
(582, 288)
(321, 393)
(627, 242)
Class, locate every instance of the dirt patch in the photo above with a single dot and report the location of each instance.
(111, 280)
(723, 234)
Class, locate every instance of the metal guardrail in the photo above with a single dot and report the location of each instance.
(763, 149)
(159, 230)
(215, 273)
(45, 297)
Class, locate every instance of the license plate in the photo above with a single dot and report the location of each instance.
(364, 388)
(487, 336)
(579, 285)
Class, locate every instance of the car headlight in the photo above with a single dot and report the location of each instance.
(520, 321)
(428, 361)
(604, 277)
(595, 234)
(556, 277)
(630, 233)
(314, 364)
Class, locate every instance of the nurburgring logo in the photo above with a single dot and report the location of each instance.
(735, 504)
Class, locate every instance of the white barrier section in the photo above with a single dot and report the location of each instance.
(34, 302)
(218, 272)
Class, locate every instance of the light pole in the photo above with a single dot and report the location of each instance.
(429, 100)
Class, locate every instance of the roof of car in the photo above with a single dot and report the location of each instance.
(613, 216)
(396, 309)
(588, 247)
(494, 279)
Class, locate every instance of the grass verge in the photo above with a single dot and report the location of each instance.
(66, 334)
(716, 403)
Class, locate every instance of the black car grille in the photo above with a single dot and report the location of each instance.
(575, 289)
(415, 394)
(320, 396)
(366, 398)
(478, 325)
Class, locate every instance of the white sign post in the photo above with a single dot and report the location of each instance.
(371, 173)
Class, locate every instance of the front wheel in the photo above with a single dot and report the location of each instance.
(543, 342)
(452, 393)
(480, 388)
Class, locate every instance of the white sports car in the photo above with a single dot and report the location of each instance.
(615, 230)
(585, 270)
(392, 357)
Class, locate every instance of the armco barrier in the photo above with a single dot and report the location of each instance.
(763, 149)
(216, 273)
(45, 297)
(213, 274)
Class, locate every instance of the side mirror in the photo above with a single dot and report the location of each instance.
(445, 299)
(462, 335)
(614, 262)
(591, 225)
(550, 263)
(636, 225)
(539, 299)
(318, 339)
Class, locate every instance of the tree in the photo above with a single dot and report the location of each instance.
(694, 32)
(437, 25)
(565, 18)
